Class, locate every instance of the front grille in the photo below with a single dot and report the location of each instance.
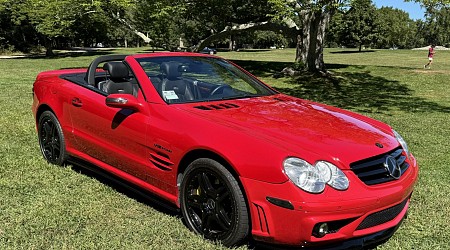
(383, 216)
(372, 170)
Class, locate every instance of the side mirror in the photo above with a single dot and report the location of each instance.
(124, 101)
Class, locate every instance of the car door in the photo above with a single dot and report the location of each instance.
(114, 136)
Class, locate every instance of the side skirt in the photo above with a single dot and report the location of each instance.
(129, 189)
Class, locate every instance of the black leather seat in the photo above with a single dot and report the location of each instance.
(117, 80)
(172, 82)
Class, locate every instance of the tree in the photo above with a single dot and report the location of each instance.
(437, 25)
(360, 24)
(211, 20)
(161, 20)
(16, 31)
(395, 28)
(430, 3)
(67, 20)
(332, 36)
(312, 18)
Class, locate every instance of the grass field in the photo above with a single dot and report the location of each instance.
(48, 207)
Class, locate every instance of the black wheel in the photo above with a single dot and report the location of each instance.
(51, 138)
(212, 203)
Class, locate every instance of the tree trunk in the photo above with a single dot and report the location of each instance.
(49, 51)
(49, 47)
(311, 43)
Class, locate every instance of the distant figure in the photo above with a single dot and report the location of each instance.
(430, 57)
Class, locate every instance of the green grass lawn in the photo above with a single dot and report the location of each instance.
(48, 207)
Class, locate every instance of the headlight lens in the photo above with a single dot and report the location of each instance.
(314, 178)
(402, 142)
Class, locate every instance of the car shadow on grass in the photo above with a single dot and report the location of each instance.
(358, 91)
(124, 187)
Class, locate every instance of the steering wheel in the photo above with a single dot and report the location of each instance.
(219, 88)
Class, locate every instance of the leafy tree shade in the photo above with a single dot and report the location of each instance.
(213, 20)
(161, 20)
(16, 32)
(79, 21)
(360, 24)
(395, 29)
(29, 23)
(437, 25)
(335, 30)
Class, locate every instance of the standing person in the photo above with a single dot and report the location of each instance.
(430, 57)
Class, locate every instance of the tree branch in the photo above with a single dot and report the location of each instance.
(288, 25)
(131, 27)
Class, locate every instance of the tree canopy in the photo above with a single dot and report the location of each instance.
(308, 25)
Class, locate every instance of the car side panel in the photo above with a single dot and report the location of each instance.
(114, 136)
(54, 93)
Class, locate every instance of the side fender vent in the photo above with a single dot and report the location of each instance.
(217, 106)
(161, 161)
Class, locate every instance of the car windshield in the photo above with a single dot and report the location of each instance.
(183, 79)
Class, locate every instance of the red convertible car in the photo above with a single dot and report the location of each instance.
(239, 159)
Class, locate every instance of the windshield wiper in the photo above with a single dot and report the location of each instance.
(247, 95)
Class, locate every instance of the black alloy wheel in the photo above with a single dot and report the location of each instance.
(212, 203)
(51, 139)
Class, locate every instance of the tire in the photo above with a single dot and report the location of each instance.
(51, 139)
(212, 203)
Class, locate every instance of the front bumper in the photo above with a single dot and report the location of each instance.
(357, 215)
(364, 242)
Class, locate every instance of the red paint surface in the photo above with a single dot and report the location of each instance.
(253, 138)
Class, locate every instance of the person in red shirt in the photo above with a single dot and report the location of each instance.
(430, 57)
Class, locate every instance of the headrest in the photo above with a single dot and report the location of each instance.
(116, 69)
(171, 70)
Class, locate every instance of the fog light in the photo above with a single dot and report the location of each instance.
(320, 230)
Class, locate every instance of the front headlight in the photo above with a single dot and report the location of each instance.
(314, 178)
(402, 142)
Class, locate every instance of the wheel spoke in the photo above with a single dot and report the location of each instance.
(47, 145)
(47, 132)
(52, 155)
(55, 151)
(195, 201)
(222, 197)
(222, 219)
(195, 218)
(56, 143)
(206, 224)
(205, 184)
(54, 133)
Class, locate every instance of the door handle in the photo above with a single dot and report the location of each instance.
(77, 102)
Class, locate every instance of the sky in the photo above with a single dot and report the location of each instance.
(414, 9)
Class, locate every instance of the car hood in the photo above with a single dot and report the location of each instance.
(302, 127)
